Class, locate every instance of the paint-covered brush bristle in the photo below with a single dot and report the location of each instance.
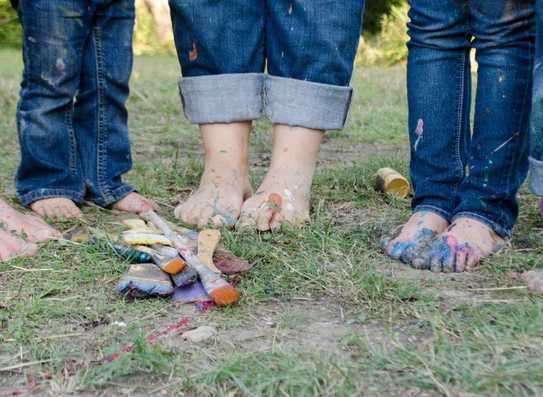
(225, 295)
(174, 266)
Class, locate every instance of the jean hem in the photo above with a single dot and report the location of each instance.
(114, 196)
(306, 104)
(535, 180)
(497, 228)
(41, 194)
(223, 98)
(436, 210)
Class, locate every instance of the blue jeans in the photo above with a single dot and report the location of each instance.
(536, 136)
(306, 46)
(71, 117)
(457, 172)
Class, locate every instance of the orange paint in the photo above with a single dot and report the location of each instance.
(193, 54)
(276, 202)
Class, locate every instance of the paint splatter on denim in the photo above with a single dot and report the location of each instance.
(536, 135)
(457, 171)
(71, 117)
(306, 46)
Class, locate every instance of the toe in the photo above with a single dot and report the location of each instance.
(276, 221)
(436, 264)
(473, 261)
(461, 262)
(204, 217)
(263, 220)
(421, 261)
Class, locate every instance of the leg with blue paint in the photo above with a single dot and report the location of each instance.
(494, 158)
(438, 121)
(49, 175)
(100, 115)
(536, 130)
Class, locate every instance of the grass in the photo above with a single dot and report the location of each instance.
(323, 312)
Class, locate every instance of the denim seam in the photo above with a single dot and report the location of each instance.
(101, 151)
(498, 229)
(432, 208)
(73, 145)
(40, 194)
(460, 119)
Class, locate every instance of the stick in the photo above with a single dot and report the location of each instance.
(22, 365)
(217, 288)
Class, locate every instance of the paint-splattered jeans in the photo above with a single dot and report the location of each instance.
(536, 136)
(306, 46)
(457, 172)
(71, 116)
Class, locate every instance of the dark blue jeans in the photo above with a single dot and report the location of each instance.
(536, 153)
(457, 171)
(71, 116)
(306, 46)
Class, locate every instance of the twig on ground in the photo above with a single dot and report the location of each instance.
(23, 365)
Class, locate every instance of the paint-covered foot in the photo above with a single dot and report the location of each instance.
(217, 201)
(415, 235)
(57, 208)
(460, 248)
(12, 247)
(30, 227)
(282, 198)
(225, 184)
(134, 203)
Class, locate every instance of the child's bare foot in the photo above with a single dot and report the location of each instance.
(31, 227)
(12, 246)
(56, 208)
(225, 183)
(284, 194)
(134, 203)
(416, 234)
(460, 248)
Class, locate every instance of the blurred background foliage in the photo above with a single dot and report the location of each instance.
(383, 41)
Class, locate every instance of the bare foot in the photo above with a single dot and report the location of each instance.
(284, 194)
(416, 234)
(134, 203)
(30, 227)
(56, 208)
(225, 183)
(460, 248)
(12, 246)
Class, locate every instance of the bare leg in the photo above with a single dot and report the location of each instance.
(415, 235)
(32, 228)
(294, 159)
(56, 208)
(225, 184)
(460, 248)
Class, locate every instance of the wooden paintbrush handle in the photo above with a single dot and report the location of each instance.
(207, 243)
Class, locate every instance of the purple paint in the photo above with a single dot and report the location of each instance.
(191, 294)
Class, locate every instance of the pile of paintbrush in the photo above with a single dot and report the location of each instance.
(172, 261)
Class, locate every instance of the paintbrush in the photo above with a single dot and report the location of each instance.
(207, 243)
(217, 288)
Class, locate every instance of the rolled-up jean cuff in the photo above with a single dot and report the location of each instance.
(223, 98)
(306, 104)
(535, 180)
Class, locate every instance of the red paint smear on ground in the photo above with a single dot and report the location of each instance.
(151, 338)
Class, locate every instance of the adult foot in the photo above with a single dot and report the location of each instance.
(416, 234)
(30, 227)
(225, 183)
(283, 196)
(460, 248)
(12, 246)
(56, 208)
(134, 203)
